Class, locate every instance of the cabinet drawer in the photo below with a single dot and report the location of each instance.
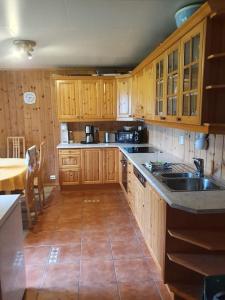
(69, 176)
(71, 159)
(69, 151)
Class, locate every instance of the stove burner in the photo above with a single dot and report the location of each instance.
(140, 149)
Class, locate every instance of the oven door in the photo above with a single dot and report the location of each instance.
(124, 171)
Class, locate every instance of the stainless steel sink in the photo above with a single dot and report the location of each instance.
(177, 175)
(191, 184)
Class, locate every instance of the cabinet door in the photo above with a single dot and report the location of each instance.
(90, 95)
(139, 196)
(111, 165)
(124, 98)
(67, 93)
(149, 91)
(191, 75)
(160, 89)
(69, 158)
(172, 83)
(138, 96)
(91, 166)
(158, 227)
(109, 99)
(69, 176)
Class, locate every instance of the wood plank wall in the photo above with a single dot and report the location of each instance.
(36, 122)
(167, 139)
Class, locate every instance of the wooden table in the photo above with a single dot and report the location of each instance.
(12, 174)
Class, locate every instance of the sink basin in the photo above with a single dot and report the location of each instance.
(177, 175)
(191, 184)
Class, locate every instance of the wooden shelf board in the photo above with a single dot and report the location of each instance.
(186, 291)
(216, 55)
(215, 87)
(210, 240)
(205, 264)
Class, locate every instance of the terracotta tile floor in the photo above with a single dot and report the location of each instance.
(87, 246)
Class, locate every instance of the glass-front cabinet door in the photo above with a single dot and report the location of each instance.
(191, 69)
(160, 89)
(172, 83)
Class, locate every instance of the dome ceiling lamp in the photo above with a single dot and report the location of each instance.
(25, 46)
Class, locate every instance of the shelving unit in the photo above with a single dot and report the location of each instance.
(215, 86)
(204, 264)
(209, 240)
(186, 291)
(216, 56)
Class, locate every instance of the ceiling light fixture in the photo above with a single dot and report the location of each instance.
(25, 46)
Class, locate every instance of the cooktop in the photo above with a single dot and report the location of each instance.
(140, 149)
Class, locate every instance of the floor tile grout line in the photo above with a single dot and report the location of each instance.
(117, 284)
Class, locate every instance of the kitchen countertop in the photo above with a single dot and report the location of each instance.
(7, 204)
(194, 202)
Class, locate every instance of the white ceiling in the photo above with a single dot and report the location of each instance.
(84, 32)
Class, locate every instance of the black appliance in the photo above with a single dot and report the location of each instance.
(140, 149)
(140, 177)
(133, 136)
(124, 171)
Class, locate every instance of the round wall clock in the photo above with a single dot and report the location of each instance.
(29, 97)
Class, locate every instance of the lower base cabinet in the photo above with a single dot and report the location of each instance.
(150, 213)
(88, 166)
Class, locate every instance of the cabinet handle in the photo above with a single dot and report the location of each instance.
(178, 119)
(162, 118)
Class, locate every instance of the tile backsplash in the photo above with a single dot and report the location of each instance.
(167, 139)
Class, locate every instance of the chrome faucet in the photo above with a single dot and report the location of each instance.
(199, 163)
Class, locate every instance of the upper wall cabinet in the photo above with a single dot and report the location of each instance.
(90, 95)
(138, 105)
(86, 99)
(191, 76)
(172, 82)
(149, 91)
(124, 98)
(160, 110)
(68, 99)
(109, 99)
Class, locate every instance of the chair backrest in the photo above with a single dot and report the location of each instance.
(16, 146)
(42, 156)
(32, 155)
(29, 188)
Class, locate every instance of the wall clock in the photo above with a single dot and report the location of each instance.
(29, 97)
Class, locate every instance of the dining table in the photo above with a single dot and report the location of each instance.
(12, 174)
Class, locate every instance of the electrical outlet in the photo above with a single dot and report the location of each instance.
(52, 177)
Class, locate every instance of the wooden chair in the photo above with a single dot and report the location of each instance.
(28, 201)
(16, 146)
(38, 179)
(33, 165)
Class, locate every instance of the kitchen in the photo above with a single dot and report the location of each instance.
(124, 162)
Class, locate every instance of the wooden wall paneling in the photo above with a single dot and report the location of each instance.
(4, 115)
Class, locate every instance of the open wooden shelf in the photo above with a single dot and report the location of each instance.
(216, 56)
(186, 291)
(205, 264)
(215, 87)
(210, 240)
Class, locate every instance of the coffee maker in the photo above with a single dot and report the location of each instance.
(89, 134)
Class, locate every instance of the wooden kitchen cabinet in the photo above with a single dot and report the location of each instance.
(191, 79)
(91, 166)
(172, 82)
(138, 104)
(160, 107)
(109, 99)
(110, 165)
(69, 176)
(90, 95)
(68, 100)
(124, 110)
(149, 91)
(69, 158)
(86, 99)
